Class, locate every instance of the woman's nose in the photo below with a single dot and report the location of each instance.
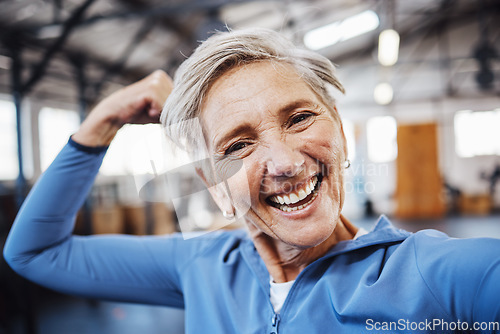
(283, 160)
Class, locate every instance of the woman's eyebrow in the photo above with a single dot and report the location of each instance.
(242, 128)
(247, 127)
(301, 103)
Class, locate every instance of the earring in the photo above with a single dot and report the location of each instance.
(347, 163)
(228, 214)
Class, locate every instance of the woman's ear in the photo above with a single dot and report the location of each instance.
(342, 132)
(219, 192)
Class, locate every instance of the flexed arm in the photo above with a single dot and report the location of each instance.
(41, 246)
(138, 103)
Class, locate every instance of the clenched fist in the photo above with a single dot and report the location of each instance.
(138, 103)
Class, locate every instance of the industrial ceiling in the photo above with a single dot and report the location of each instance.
(69, 50)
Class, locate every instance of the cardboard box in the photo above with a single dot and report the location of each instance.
(136, 219)
(475, 204)
(163, 219)
(107, 220)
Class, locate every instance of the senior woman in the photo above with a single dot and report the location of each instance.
(300, 266)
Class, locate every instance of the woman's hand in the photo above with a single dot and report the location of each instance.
(139, 103)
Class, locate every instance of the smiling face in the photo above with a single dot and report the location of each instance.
(292, 148)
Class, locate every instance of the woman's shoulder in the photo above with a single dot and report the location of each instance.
(435, 256)
(436, 244)
(431, 245)
(462, 274)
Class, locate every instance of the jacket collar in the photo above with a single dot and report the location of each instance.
(382, 233)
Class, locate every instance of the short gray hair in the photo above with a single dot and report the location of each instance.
(226, 50)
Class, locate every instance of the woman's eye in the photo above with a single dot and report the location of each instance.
(299, 118)
(236, 147)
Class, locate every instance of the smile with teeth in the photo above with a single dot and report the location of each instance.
(298, 199)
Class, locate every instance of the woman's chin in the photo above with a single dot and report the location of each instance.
(307, 237)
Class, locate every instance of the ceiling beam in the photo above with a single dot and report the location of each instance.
(190, 7)
(69, 25)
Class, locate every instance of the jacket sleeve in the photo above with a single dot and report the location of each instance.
(41, 246)
(463, 275)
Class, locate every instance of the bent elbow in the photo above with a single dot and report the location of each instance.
(14, 258)
(10, 257)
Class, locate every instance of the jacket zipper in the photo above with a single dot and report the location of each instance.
(275, 322)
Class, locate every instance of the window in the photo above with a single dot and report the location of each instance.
(139, 149)
(381, 133)
(123, 157)
(9, 168)
(477, 133)
(55, 126)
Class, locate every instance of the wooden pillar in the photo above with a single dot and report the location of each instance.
(419, 189)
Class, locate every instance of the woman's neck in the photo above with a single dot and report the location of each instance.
(285, 262)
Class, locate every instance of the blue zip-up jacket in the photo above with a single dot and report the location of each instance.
(385, 281)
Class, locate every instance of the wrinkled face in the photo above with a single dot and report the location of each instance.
(292, 149)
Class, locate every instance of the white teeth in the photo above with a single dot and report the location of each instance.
(302, 194)
(295, 197)
(286, 199)
(313, 182)
(280, 199)
(290, 209)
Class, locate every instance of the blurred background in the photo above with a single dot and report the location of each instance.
(421, 116)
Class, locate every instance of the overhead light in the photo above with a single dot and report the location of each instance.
(388, 47)
(339, 31)
(383, 93)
